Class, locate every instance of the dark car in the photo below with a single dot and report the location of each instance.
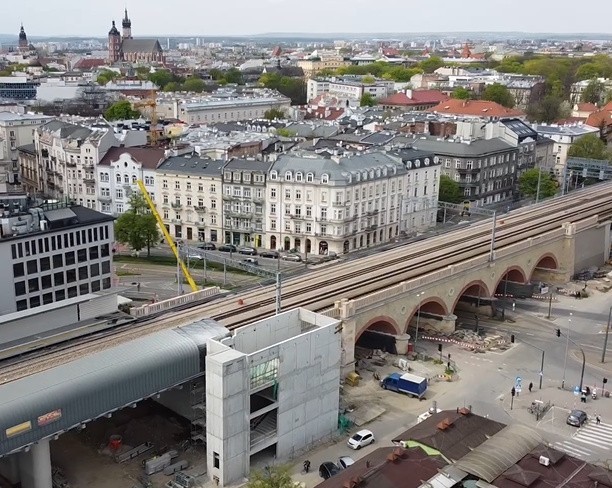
(269, 254)
(250, 251)
(328, 469)
(208, 246)
(577, 418)
(228, 248)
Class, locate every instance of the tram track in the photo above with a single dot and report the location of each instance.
(350, 280)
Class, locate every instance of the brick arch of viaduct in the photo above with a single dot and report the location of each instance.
(394, 316)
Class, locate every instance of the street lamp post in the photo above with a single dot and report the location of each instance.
(492, 252)
(416, 335)
(542, 362)
(569, 322)
(605, 346)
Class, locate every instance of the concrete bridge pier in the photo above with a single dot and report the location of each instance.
(35, 466)
(349, 328)
(9, 468)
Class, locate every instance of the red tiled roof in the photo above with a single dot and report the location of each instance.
(324, 113)
(587, 107)
(418, 97)
(89, 63)
(475, 108)
(149, 157)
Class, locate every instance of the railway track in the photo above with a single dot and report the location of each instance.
(319, 289)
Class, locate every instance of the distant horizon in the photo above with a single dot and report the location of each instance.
(329, 35)
(319, 18)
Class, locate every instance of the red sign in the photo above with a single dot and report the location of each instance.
(50, 417)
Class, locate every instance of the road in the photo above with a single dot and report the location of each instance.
(485, 381)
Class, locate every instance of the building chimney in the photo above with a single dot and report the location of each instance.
(409, 93)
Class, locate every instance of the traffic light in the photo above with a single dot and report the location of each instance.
(439, 347)
(513, 391)
(605, 380)
(512, 338)
(558, 332)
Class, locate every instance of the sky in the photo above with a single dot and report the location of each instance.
(93, 18)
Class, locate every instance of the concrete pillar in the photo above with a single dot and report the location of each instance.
(401, 343)
(349, 336)
(35, 466)
(9, 468)
(447, 324)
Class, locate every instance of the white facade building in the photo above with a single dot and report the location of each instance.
(348, 88)
(339, 204)
(189, 197)
(118, 173)
(563, 136)
(68, 156)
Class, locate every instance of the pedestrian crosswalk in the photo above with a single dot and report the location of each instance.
(592, 438)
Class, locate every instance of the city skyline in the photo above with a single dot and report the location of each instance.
(68, 18)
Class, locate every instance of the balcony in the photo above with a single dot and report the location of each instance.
(89, 180)
(105, 199)
(71, 164)
(295, 217)
(177, 205)
(372, 212)
(371, 227)
(177, 221)
(200, 209)
(228, 198)
(321, 219)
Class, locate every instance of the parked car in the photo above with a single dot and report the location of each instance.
(345, 461)
(251, 261)
(251, 251)
(269, 254)
(577, 418)
(291, 257)
(361, 439)
(208, 246)
(194, 257)
(328, 469)
(228, 248)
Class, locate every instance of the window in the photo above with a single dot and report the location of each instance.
(18, 270)
(82, 254)
(288, 176)
(20, 288)
(83, 273)
(177, 185)
(94, 270)
(60, 295)
(45, 264)
(33, 285)
(34, 302)
(22, 305)
(71, 276)
(58, 278)
(216, 462)
(32, 266)
(324, 178)
(309, 178)
(84, 289)
(47, 298)
(273, 175)
(272, 192)
(72, 292)
(45, 282)
(273, 208)
(119, 193)
(106, 267)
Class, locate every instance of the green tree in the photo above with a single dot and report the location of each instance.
(161, 78)
(499, 94)
(193, 84)
(588, 71)
(431, 64)
(233, 75)
(121, 110)
(528, 183)
(368, 80)
(137, 227)
(284, 132)
(461, 93)
(590, 147)
(367, 100)
(172, 87)
(142, 72)
(272, 477)
(449, 190)
(547, 110)
(107, 75)
(274, 113)
(294, 88)
(593, 93)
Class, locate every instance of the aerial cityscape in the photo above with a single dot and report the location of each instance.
(348, 246)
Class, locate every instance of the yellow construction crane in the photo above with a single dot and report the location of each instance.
(151, 105)
(167, 236)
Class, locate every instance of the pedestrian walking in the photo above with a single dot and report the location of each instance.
(138, 287)
(307, 465)
(597, 419)
(530, 387)
(513, 305)
(583, 397)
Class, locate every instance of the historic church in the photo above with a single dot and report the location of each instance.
(123, 47)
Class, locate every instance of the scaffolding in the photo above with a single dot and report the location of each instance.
(198, 408)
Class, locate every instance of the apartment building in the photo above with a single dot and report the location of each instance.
(348, 88)
(118, 173)
(68, 155)
(244, 196)
(51, 253)
(207, 110)
(16, 130)
(313, 65)
(189, 197)
(485, 169)
(339, 204)
(563, 136)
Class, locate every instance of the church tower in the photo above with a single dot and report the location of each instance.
(127, 26)
(23, 40)
(114, 44)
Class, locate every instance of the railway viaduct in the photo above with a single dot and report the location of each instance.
(471, 286)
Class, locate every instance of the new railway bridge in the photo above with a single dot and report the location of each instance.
(49, 391)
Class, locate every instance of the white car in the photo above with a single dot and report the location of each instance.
(361, 439)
